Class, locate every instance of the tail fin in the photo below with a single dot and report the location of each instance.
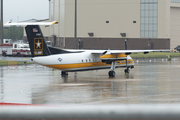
(36, 41)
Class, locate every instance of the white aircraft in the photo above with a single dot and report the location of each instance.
(75, 60)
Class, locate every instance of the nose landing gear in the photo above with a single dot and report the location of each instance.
(112, 72)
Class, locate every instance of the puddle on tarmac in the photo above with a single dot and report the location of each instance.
(148, 82)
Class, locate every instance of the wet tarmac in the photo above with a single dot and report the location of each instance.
(155, 81)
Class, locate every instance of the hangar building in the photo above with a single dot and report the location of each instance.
(105, 24)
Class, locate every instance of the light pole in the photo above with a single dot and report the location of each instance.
(79, 43)
(75, 26)
(1, 26)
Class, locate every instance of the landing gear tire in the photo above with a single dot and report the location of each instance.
(126, 70)
(64, 73)
(112, 74)
(18, 54)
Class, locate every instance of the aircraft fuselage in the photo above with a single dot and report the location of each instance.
(82, 61)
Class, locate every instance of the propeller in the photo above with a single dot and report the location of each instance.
(126, 55)
(125, 44)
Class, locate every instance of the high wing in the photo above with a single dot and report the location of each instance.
(29, 23)
(127, 52)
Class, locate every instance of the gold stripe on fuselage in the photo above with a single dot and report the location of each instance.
(83, 65)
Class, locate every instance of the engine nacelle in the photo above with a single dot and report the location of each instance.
(108, 58)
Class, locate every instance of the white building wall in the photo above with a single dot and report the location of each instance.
(69, 18)
(56, 17)
(93, 14)
(164, 19)
(92, 17)
(175, 23)
(175, 26)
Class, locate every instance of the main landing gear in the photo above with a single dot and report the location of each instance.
(126, 70)
(113, 66)
(63, 73)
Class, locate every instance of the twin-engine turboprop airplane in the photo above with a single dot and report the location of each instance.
(75, 60)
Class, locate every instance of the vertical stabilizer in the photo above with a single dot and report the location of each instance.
(36, 41)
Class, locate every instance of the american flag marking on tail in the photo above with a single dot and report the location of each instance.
(35, 30)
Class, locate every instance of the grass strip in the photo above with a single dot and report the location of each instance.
(5, 62)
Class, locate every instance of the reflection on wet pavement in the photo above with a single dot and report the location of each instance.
(148, 82)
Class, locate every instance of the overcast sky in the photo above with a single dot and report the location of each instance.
(25, 9)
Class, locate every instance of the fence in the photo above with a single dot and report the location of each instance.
(107, 112)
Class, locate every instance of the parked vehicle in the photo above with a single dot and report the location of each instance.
(15, 49)
(177, 48)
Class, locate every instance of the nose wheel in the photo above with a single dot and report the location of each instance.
(112, 73)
